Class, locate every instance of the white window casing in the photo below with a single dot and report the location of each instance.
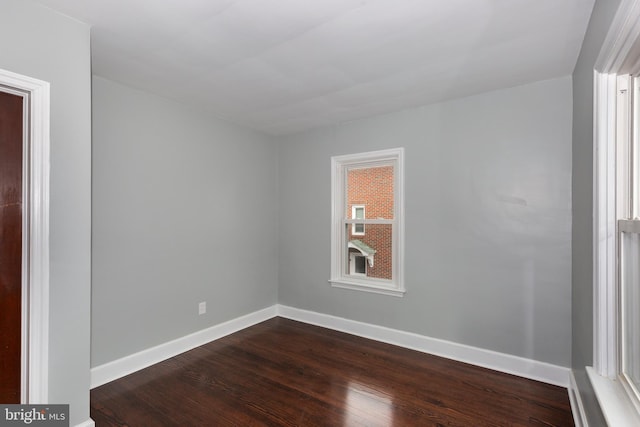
(616, 225)
(340, 224)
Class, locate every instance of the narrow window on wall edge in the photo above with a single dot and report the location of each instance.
(367, 224)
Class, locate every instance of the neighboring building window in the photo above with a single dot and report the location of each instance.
(357, 264)
(357, 212)
(370, 261)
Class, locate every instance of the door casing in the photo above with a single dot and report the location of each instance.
(35, 234)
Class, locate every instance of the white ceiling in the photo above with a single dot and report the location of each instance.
(282, 66)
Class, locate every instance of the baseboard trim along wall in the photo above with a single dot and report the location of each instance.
(527, 368)
(507, 363)
(577, 406)
(119, 368)
(88, 423)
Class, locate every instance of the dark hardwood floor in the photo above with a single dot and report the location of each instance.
(286, 373)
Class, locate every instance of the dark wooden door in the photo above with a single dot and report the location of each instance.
(10, 246)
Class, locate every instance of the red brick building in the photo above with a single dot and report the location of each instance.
(370, 196)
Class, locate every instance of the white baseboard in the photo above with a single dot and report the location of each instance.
(577, 406)
(88, 423)
(119, 368)
(507, 363)
(527, 368)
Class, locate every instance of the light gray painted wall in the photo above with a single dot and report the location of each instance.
(488, 220)
(582, 205)
(184, 210)
(39, 43)
(482, 268)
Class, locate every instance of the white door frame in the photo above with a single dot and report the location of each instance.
(35, 234)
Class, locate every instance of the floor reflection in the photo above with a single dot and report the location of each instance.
(365, 404)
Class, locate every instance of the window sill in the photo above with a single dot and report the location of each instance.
(367, 287)
(616, 406)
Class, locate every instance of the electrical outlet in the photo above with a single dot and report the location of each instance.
(202, 307)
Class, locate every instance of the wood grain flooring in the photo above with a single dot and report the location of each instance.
(286, 373)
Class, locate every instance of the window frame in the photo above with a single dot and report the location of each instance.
(613, 174)
(354, 208)
(627, 222)
(339, 251)
(614, 216)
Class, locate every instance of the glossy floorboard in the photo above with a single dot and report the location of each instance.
(286, 373)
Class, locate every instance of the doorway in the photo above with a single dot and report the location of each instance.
(24, 239)
(11, 146)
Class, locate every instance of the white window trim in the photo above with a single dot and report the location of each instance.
(367, 284)
(353, 216)
(616, 57)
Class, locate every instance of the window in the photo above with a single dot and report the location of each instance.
(617, 249)
(616, 236)
(367, 192)
(627, 214)
(617, 244)
(357, 212)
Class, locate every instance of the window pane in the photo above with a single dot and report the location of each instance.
(630, 281)
(374, 248)
(373, 189)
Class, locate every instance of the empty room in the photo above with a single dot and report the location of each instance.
(320, 212)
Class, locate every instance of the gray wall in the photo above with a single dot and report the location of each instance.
(39, 43)
(488, 220)
(184, 210)
(582, 206)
